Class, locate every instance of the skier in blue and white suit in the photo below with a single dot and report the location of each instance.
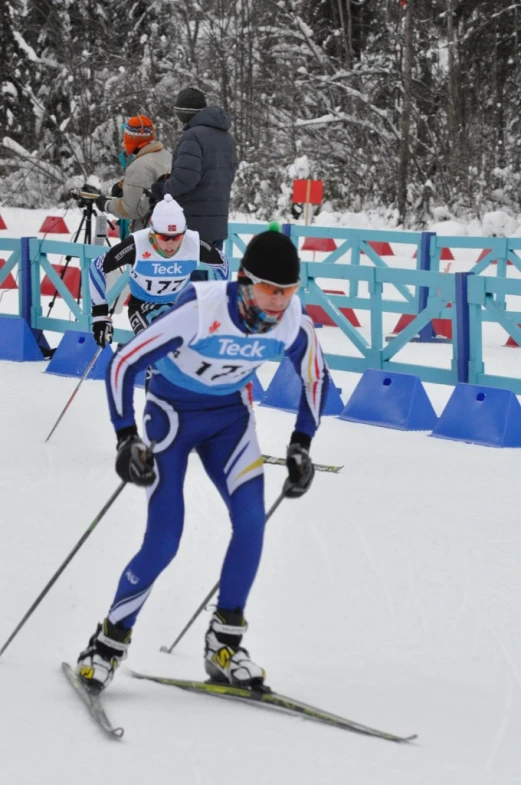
(163, 259)
(205, 351)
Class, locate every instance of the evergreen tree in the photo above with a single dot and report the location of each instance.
(334, 88)
(15, 70)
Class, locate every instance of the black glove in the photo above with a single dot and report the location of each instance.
(157, 191)
(117, 190)
(134, 461)
(300, 468)
(102, 328)
(101, 203)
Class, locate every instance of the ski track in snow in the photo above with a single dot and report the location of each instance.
(503, 725)
(412, 598)
(513, 675)
(372, 562)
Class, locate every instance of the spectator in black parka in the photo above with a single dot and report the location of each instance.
(204, 164)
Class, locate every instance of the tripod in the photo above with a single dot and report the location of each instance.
(87, 211)
(86, 203)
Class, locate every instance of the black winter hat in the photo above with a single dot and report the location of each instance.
(188, 102)
(273, 257)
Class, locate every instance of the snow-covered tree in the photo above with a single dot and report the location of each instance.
(388, 114)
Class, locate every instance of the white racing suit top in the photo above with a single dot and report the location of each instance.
(203, 354)
(153, 278)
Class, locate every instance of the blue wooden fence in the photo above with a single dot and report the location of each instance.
(424, 293)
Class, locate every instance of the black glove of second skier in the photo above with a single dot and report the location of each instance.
(102, 328)
(300, 467)
(134, 461)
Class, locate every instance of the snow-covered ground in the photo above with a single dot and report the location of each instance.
(390, 594)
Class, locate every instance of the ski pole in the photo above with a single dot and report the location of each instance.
(169, 650)
(57, 574)
(185, 629)
(89, 366)
(86, 373)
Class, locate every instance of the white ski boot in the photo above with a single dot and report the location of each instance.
(224, 658)
(106, 649)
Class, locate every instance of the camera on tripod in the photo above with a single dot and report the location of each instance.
(85, 196)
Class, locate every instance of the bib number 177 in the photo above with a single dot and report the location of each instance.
(236, 371)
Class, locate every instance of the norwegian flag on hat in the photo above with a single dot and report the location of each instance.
(168, 217)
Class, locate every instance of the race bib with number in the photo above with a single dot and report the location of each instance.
(221, 358)
(153, 278)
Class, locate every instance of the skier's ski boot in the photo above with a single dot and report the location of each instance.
(224, 659)
(106, 649)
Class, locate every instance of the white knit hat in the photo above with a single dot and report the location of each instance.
(168, 217)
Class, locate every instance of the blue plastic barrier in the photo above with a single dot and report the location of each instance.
(285, 390)
(391, 400)
(481, 415)
(74, 353)
(17, 342)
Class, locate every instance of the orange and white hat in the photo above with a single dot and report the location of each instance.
(168, 217)
(138, 132)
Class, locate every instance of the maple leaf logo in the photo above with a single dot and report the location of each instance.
(214, 326)
(147, 255)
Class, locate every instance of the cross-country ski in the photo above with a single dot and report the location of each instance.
(266, 698)
(319, 467)
(92, 700)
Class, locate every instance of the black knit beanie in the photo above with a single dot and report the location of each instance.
(272, 257)
(188, 102)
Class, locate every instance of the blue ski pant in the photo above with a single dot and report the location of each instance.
(226, 441)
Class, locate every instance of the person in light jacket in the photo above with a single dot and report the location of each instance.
(148, 161)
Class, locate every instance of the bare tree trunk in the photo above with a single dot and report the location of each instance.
(405, 126)
(347, 32)
(501, 68)
(452, 108)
